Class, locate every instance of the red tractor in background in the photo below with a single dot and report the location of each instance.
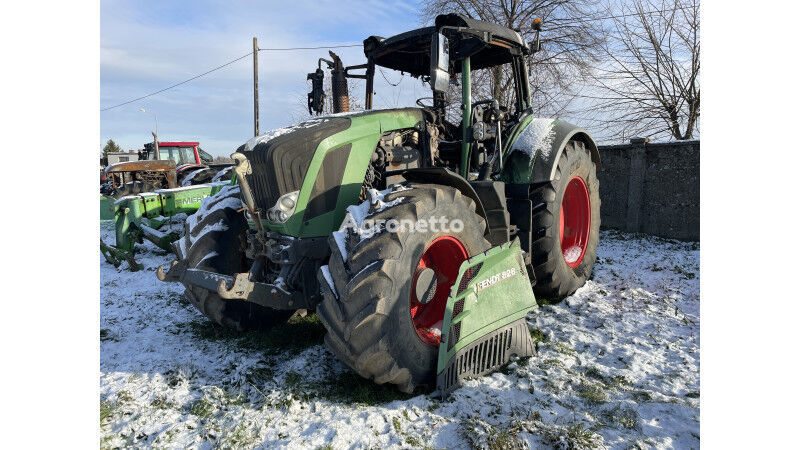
(163, 165)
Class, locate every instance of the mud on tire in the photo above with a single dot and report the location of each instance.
(367, 310)
(214, 240)
(555, 279)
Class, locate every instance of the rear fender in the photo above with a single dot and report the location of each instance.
(532, 153)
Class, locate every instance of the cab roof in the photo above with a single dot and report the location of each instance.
(487, 44)
(150, 145)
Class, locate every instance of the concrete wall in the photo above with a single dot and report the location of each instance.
(652, 188)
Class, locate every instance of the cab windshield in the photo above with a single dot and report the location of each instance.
(181, 155)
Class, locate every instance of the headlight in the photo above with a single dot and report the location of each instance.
(284, 208)
(287, 203)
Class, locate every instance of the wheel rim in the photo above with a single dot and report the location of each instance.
(444, 255)
(575, 221)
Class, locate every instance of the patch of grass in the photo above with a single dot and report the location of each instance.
(608, 381)
(486, 436)
(396, 424)
(124, 396)
(621, 416)
(161, 402)
(202, 408)
(592, 392)
(547, 301)
(260, 375)
(347, 387)
(553, 362)
(173, 378)
(413, 441)
(105, 335)
(504, 438)
(573, 436)
(642, 396)
(538, 335)
(297, 333)
(106, 410)
(592, 372)
(683, 272)
(240, 437)
(561, 347)
(578, 436)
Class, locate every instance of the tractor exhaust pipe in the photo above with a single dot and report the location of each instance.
(341, 98)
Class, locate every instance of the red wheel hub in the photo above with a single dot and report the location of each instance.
(444, 256)
(575, 221)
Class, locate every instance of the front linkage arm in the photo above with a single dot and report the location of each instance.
(242, 285)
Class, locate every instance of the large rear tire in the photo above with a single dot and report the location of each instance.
(566, 225)
(215, 240)
(375, 322)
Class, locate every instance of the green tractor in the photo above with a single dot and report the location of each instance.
(418, 242)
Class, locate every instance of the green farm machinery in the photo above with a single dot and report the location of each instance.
(421, 244)
(156, 216)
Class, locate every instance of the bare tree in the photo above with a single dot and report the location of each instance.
(570, 43)
(648, 84)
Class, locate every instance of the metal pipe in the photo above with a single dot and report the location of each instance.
(370, 77)
(255, 85)
(466, 115)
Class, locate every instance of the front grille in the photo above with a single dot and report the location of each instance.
(275, 173)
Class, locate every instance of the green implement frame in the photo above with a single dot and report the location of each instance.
(484, 324)
(144, 216)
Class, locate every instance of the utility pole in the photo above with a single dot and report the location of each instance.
(255, 85)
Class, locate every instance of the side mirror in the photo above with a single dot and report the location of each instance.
(440, 63)
(316, 97)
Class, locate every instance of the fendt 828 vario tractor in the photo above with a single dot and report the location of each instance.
(416, 240)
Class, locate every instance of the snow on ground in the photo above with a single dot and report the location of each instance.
(618, 366)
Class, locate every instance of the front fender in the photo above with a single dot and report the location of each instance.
(532, 153)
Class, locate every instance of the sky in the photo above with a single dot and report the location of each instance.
(149, 45)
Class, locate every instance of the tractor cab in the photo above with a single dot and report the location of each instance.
(180, 152)
(447, 56)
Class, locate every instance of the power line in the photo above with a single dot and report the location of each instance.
(352, 45)
(310, 48)
(178, 84)
(221, 67)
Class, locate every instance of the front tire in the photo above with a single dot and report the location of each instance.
(566, 225)
(376, 323)
(214, 240)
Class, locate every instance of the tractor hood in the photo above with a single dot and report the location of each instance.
(144, 165)
(324, 160)
(280, 158)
